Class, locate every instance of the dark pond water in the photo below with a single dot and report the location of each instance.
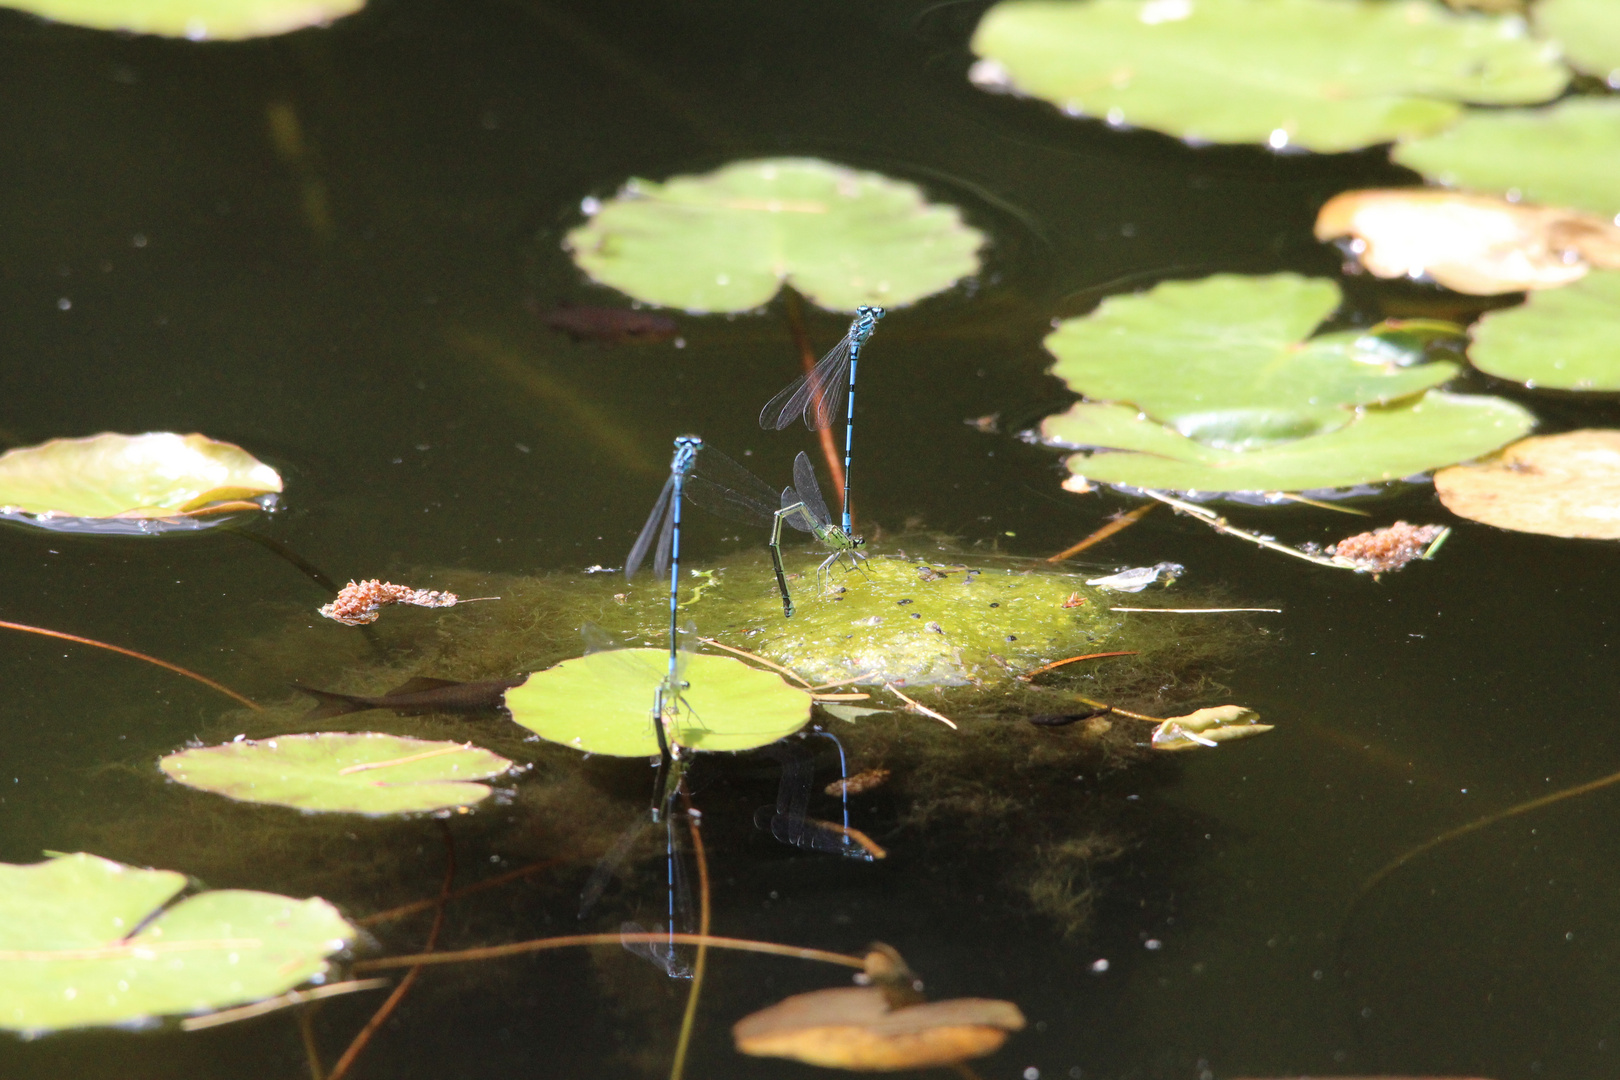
(163, 270)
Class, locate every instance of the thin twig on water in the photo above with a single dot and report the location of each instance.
(176, 668)
(795, 676)
(423, 905)
(1115, 709)
(282, 1001)
(1123, 521)
(919, 707)
(1221, 525)
(346, 1062)
(520, 948)
(1028, 675)
(1198, 610)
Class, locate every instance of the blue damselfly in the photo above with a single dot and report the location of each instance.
(814, 395)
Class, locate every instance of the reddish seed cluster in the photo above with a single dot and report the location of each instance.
(1387, 549)
(360, 602)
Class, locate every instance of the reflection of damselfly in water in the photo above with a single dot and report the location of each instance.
(677, 894)
(814, 395)
(789, 822)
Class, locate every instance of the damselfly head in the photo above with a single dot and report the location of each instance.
(857, 541)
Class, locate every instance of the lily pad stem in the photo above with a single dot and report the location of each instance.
(176, 668)
(694, 822)
(518, 948)
(283, 1001)
(346, 1062)
(807, 356)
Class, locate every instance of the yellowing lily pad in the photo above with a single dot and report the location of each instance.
(1587, 30)
(1225, 360)
(71, 954)
(730, 239)
(602, 703)
(855, 1028)
(343, 772)
(197, 20)
(1325, 75)
(1557, 485)
(1376, 446)
(1477, 244)
(131, 483)
(1566, 339)
(1208, 728)
(1562, 155)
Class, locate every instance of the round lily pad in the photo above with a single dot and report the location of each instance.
(1379, 444)
(1562, 339)
(197, 20)
(1326, 75)
(70, 955)
(1562, 155)
(1477, 244)
(602, 703)
(728, 240)
(131, 483)
(1224, 360)
(1587, 30)
(345, 772)
(1557, 485)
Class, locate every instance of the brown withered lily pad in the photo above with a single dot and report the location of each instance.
(854, 1028)
(1208, 727)
(1557, 485)
(1476, 244)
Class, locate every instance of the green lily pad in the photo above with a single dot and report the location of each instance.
(131, 483)
(1587, 30)
(1325, 75)
(728, 240)
(602, 703)
(1223, 360)
(342, 772)
(1559, 339)
(1379, 444)
(70, 954)
(1563, 155)
(197, 20)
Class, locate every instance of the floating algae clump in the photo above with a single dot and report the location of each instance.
(950, 627)
(908, 620)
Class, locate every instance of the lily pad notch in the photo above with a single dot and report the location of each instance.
(85, 941)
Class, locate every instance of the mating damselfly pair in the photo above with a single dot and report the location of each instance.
(715, 482)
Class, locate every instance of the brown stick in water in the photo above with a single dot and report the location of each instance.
(1123, 521)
